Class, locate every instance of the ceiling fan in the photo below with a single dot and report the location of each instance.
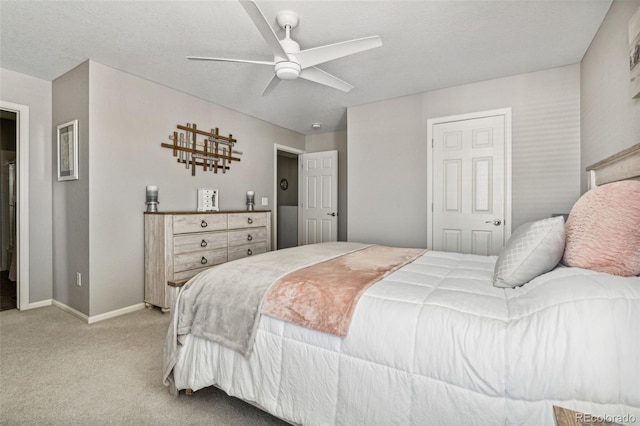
(289, 61)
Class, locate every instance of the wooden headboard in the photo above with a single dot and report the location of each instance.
(623, 165)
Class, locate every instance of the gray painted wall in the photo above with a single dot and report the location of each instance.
(387, 173)
(387, 162)
(130, 117)
(35, 93)
(610, 117)
(71, 250)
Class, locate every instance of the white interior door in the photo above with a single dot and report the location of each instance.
(469, 185)
(319, 197)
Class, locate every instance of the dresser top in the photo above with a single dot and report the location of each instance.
(209, 212)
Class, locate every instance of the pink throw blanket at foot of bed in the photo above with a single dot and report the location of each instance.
(324, 296)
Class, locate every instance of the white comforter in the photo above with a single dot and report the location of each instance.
(435, 343)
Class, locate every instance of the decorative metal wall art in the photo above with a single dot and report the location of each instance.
(212, 152)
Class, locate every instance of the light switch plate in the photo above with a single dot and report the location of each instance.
(265, 201)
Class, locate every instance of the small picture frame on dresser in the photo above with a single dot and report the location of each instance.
(208, 200)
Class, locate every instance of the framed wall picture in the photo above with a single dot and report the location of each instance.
(68, 151)
(634, 54)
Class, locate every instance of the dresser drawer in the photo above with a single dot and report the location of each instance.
(239, 252)
(185, 275)
(187, 223)
(247, 220)
(247, 236)
(198, 259)
(200, 241)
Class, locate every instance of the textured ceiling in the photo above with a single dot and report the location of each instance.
(427, 45)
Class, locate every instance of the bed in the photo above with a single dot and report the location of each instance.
(436, 338)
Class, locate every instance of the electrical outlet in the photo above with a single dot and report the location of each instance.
(78, 279)
(265, 201)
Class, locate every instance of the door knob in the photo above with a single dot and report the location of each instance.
(496, 222)
(332, 214)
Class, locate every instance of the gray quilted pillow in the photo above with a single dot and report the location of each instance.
(533, 249)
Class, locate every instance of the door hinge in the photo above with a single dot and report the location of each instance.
(431, 207)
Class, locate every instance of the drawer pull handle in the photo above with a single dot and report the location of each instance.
(249, 252)
(203, 243)
(249, 220)
(249, 237)
(203, 260)
(203, 224)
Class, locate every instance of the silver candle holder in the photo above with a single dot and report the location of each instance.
(250, 200)
(152, 199)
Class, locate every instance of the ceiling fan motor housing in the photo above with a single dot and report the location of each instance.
(287, 70)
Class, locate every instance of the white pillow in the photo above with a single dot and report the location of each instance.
(533, 249)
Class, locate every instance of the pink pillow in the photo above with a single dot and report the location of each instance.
(603, 230)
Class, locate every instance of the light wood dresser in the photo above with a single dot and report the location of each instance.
(178, 245)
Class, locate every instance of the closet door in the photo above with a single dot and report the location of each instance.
(469, 185)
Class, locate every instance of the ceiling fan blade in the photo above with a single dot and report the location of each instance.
(318, 76)
(317, 55)
(245, 61)
(263, 26)
(272, 85)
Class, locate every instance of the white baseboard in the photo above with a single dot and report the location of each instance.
(101, 317)
(116, 313)
(40, 304)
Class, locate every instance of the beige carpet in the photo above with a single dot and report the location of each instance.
(57, 370)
